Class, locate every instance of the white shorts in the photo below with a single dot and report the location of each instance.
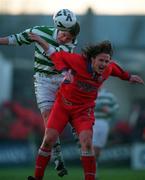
(45, 89)
(100, 133)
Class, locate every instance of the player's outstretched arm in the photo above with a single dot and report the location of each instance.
(4, 41)
(136, 79)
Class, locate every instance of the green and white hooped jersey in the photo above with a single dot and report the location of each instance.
(106, 99)
(43, 64)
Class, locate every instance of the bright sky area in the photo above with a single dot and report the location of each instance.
(113, 7)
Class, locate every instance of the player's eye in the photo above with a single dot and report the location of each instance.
(107, 61)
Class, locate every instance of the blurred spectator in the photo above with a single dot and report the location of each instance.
(133, 129)
(19, 123)
(121, 133)
(134, 115)
(6, 118)
(143, 134)
(139, 128)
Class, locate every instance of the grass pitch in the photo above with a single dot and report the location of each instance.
(75, 173)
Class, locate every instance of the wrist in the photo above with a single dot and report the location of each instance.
(49, 51)
(11, 40)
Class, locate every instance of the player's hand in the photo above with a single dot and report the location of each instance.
(34, 37)
(68, 76)
(38, 39)
(136, 79)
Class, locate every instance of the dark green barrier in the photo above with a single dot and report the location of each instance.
(16, 153)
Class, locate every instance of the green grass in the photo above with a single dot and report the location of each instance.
(75, 173)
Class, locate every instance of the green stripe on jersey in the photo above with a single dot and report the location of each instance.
(46, 72)
(43, 64)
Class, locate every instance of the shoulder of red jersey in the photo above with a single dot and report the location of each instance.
(114, 63)
(75, 56)
(117, 69)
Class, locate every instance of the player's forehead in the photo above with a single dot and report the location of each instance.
(103, 56)
(64, 33)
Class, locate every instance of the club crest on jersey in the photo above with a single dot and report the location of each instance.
(85, 86)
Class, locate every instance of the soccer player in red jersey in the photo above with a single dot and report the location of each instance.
(75, 102)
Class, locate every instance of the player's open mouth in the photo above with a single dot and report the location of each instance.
(101, 69)
(60, 42)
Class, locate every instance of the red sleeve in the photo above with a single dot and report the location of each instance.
(63, 60)
(119, 72)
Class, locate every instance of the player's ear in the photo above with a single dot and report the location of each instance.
(92, 60)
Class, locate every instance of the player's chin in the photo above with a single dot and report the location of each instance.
(60, 42)
(100, 71)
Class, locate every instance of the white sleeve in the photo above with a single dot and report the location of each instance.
(12, 40)
(50, 51)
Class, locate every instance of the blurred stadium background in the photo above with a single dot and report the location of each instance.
(21, 127)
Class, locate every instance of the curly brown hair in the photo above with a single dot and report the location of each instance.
(94, 50)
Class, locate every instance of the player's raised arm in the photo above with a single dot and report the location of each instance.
(125, 75)
(4, 41)
(118, 71)
(41, 41)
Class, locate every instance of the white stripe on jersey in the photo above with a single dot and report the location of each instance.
(40, 33)
(105, 99)
(40, 56)
(44, 67)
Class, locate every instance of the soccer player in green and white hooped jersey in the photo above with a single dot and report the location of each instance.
(47, 79)
(105, 110)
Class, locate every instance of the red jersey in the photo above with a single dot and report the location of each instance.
(85, 85)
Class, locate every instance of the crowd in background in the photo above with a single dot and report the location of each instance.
(19, 123)
(24, 123)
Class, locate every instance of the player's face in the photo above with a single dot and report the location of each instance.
(100, 62)
(64, 37)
